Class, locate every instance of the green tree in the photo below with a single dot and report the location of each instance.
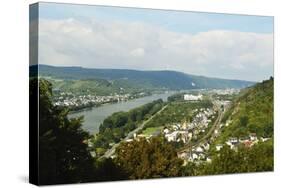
(243, 121)
(148, 159)
(63, 154)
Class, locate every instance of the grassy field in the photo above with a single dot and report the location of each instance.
(150, 130)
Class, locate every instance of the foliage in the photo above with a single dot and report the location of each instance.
(151, 130)
(258, 158)
(100, 87)
(108, 170)
(119, 124)
(63, 156)
(148, 159)
(252, 112)
(176, 97)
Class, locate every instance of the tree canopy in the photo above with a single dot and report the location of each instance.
(63, 154)
(152, 158)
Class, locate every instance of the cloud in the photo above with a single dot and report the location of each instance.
(138, 52)
(137, 45)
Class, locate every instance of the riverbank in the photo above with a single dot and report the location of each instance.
(96, 105)
(94, 117)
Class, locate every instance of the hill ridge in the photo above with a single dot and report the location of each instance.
(168, 79)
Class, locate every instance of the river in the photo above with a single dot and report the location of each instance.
(94, 117)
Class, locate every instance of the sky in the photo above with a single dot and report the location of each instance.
(209, 44)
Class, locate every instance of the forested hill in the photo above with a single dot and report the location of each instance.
(148, 79)
(252, 112)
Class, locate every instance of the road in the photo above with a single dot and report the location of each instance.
(111, 151)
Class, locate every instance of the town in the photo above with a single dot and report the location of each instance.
(199, 135)
(76, 101)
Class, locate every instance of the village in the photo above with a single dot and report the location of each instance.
(189, 133)
(71, 100)
(201, 152)
(198, 136)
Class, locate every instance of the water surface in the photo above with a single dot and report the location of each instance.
(94, 117)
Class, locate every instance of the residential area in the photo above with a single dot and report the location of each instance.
(73, 101)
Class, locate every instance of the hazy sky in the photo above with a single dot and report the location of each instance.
(216, 45)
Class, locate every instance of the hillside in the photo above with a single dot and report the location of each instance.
(252, 112)
(93, 86)
(140, 79)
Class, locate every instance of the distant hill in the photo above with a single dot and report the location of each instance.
(252, 112)
(145, 79)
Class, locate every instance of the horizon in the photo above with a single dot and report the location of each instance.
(159, 70)
(227, 46)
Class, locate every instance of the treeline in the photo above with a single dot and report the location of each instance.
(118, 125)
(83, 107)
(176, 97)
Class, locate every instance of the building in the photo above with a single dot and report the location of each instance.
(253, 137)
(219, 147)
(189, 97)
(232, 142)
(172, 137)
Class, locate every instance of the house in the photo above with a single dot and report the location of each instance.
(232, 142)
(194, 156)
(264, 139)
(166, 131)
(202, 156)
(208, 160)
(228, 122)
(183, 125)
(183, 135)
(206, 146)
(253, 136)
(219, 147)
(172, 137)
(175, 127)
(183, 155)
(199, 149)
(129, 140)
(244, 139)
(216, 131)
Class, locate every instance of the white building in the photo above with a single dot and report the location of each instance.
(189, 97)
(253, 137)
(172, 137)
(199, 149)
(219, 147)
